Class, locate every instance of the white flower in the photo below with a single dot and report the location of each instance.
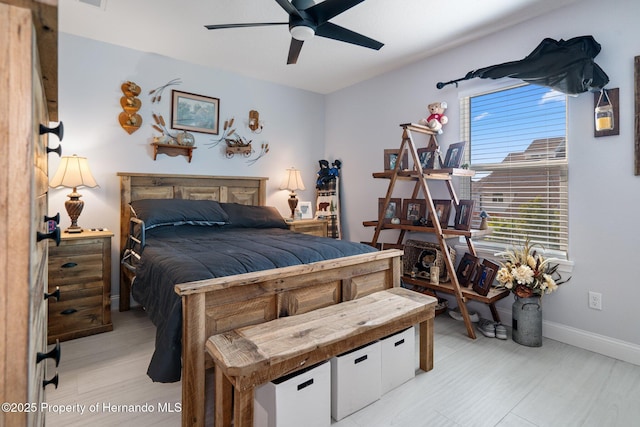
(523, 275)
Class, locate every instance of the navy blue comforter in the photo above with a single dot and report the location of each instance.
(186, 253)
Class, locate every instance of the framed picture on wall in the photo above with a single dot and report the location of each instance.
(195, 113)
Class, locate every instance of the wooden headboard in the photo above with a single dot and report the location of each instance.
(138, 186)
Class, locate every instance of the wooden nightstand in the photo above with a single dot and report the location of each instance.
(316, 227)
(81, 268)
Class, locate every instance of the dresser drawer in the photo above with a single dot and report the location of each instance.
(80, 268)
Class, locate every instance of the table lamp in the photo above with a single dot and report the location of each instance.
(73, 172)
(292, 182)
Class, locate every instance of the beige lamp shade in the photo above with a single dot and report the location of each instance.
(73, 172)
(292, 180)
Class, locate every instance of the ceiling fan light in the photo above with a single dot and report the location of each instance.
(302, 33)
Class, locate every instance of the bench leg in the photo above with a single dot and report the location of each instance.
(426, 345)
(222, 399)
(243, 408)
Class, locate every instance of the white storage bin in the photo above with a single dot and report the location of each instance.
(299, 399)
(398, 359)
(355, 380)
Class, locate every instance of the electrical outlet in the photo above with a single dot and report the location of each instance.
(595, 300)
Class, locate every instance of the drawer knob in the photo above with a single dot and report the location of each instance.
(54, 235)
(55, 218)
(54, 353)
(55, 294)
(58, 130)
(57, 150)
(53, 381)
(69, 265)
(68, 311)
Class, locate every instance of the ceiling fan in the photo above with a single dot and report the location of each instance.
(307, 19)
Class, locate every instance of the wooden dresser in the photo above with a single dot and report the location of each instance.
(315, 227)
(28, 57)
(81, 269)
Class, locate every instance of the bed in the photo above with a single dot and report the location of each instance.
(257, 270)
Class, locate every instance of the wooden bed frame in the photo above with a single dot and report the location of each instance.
(138, 186)
(218, 305)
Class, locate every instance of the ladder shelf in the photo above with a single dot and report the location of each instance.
(420, 176)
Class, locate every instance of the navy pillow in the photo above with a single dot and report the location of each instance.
(248, 216)
(156, 212)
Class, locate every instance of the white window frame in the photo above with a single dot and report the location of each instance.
(487, 249)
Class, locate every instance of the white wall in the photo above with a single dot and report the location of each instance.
(363, 120)
(90, 76)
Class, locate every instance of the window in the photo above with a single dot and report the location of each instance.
(518, 148)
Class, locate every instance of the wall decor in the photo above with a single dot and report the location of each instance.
(157, 92)
(464, 211)
(413, 210)
(606, 112)
(484, 275)
(636, 77)
(391, 158)
(195, 113)
(392, 211)
(454, 155)
(129, 118)
(254, 123)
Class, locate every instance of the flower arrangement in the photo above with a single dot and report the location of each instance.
(527, 273)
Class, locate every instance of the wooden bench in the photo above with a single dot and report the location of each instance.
(250, 356)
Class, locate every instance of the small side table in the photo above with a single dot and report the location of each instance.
(81, 269)
(316, 227)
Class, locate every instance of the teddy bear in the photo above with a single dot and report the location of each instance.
(436, 117)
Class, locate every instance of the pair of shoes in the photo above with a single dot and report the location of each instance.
(455, 313)
(492, 329)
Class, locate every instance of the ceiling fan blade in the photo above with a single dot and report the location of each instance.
(289, 8)
(294, 50)
(256, 24)
(326, 10)
(336, 32)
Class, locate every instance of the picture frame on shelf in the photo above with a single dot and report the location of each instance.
(443, 212)
(195, 113)
(391, 157)
(393, 210)
(305, 210)
(484, 276)
(466, 269)
(454, 155)
(427, 157)
(413, 210)
(464, 212)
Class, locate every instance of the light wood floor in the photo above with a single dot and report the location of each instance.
(486, 382)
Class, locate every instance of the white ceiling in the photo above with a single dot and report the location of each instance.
(411, 30)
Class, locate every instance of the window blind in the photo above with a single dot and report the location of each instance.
(518, 148)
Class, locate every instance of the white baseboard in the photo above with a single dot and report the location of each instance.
(611, 347)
